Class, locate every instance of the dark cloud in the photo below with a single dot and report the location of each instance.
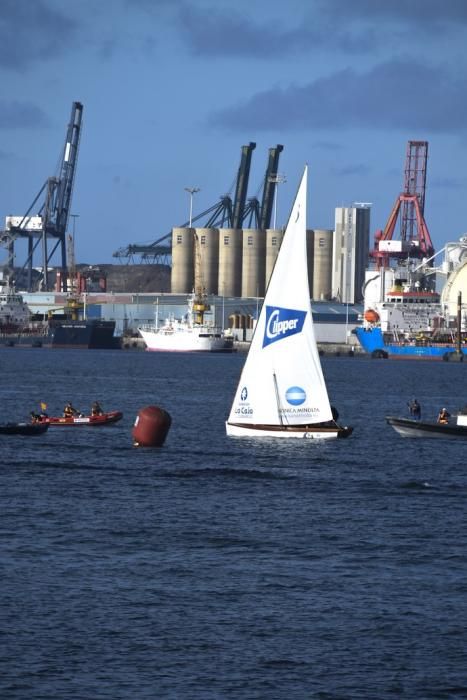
(31, 31)
(21, 115)
(355, 27)
(400, 94)
(211, 31)
(430, 15)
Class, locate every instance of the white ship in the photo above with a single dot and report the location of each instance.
(189, 334)
(14, 312)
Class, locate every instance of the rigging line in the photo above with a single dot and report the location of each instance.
(278, 403)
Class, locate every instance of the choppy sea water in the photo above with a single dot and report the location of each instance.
(223, 568)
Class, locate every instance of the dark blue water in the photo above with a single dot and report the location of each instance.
(223, 568)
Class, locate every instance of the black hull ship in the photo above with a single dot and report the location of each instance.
(90, 334)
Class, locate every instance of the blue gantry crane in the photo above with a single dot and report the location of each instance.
(47, 227)
(224, 213)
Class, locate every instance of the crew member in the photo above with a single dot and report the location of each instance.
(443, 416)
(415, 409)
(96, 409)
(69, 411)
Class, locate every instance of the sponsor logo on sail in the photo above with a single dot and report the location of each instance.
(295, 396)
(244, 409)
(282, 323)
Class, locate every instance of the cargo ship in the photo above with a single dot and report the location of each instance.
(18, 327)
(409, 323)
(91, 334)
(422, 346)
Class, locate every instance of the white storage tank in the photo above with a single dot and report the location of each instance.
(230, 262)
(322, 264)
(274, 238)
(182, 278)
(207, 242)
(253, 262)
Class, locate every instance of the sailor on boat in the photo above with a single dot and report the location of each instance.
(38, 417)
(96, 409)
(415, 409)
(70, 411)
(443, 416)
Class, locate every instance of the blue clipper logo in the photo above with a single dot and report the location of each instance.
(295, 395)
(281, 323)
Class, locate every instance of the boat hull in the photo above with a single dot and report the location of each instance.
(407, 427)
(373, 342)
(91, 335)
(188, 340)
(309, 432)
(23, 428)
(81, 421)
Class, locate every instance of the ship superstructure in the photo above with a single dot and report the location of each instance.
(403, 314)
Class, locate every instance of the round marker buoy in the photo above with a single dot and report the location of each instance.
(151, 427)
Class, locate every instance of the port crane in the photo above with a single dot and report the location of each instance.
(226, 213)
(49, 224)
(415, 241)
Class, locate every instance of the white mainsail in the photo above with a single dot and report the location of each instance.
(282, 381)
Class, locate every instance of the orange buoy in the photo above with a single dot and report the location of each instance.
(151, 427)
(371, 316)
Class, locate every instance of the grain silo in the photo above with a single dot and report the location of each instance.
(253, 262)
(322, 264)
(182, 280)
(207, 252)
(230, 262)
(274, 238)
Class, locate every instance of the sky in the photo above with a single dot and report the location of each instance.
(172, 90)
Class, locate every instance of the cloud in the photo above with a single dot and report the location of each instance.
(399, 94)
(210, 31)
(21, 115)
(31, 31)
(351, 27)
(428, 15)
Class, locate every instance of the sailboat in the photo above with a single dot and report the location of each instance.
(282, 392)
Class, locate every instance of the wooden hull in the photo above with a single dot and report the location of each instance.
(407, 427)
(310, 432)
(80, 421)
(23, 428)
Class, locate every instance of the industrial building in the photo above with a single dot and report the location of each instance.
(350, 252)
(238, 262)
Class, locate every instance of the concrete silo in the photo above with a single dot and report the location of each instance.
(182, 280)
(322, 264)
(230, 262)
(253, 262)
(207, 257)
(273, 243)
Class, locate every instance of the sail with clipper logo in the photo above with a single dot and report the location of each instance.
(282, 392)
